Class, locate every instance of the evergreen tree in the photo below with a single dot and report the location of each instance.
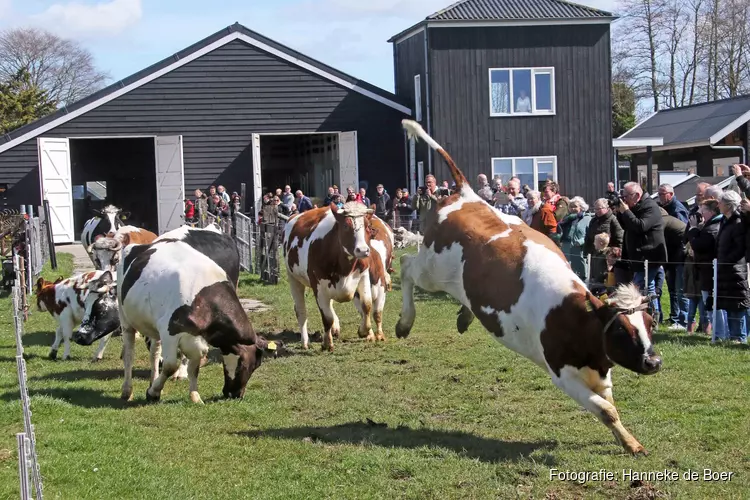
(22, 102)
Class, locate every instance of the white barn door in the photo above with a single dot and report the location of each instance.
(257, 179)
(54, 166)
(348, 161)
(170, 184)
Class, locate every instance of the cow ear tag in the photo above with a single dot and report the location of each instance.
(589, 306)
(271, 346)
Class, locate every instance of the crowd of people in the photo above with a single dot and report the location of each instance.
(623, 236)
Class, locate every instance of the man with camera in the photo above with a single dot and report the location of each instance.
(641, 219)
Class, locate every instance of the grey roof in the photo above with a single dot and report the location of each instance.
(491, 10)
(690, 124)
(236, 27)
(511, 10)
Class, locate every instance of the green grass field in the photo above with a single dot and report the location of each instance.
(438, 415)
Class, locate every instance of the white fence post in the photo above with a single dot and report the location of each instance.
(588, 270)
(23, 465)
(716, 292)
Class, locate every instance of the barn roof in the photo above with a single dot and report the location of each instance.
(509, 11)
(694, 126)
(218, 39)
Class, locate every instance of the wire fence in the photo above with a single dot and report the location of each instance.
(28, 464)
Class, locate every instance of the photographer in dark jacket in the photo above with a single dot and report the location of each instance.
(641, 219)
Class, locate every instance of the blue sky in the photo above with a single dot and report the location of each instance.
(126, 36)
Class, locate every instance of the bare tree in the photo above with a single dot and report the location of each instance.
(676, 21)
(639, 32)
(63, 68)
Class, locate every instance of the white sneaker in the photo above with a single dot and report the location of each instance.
(676, 328)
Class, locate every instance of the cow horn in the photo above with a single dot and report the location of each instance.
(88, 248)
(118, 245)
(103, 289)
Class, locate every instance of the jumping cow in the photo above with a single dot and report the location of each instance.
(519, 285)
(173, 292)
(65, 300)
(405, 238)
(331, 251)
(106, 223)
(105, 251)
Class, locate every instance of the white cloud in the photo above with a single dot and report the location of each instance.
(81, 21)
(412, 10)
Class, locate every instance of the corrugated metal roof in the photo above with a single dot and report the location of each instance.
(691, 124)
(493, 10)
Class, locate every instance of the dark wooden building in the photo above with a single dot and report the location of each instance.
(512, 87)
(703, 139)
(235, 107)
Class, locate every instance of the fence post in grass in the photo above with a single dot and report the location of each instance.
(23, 465)
(716, 292)
(588, 270)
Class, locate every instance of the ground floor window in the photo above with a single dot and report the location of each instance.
(532, 170)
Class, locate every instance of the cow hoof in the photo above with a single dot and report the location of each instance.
(335, 332)
(637, 451)
(53, 355)
(65, 358)
(204, 361)
(96, 360)
(195, 398)
(127, 395)
(150, 398)
(305, 346)
(380, 337)
(370, 337)
(328, 348)
(401, 331)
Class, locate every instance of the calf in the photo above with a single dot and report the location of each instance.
(406, 238)
(171, 292)
(330, 250)
(64, 300)
(519, 285)
(105, 223)
(105, 251)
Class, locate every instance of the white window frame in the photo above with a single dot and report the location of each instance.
(418, 97)
(537, 160)
(534, 71)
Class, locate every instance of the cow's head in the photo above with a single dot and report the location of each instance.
(114, 216)
(238, 367)
(353, 226)
(627, 329)
(105, 253)
(102, 315)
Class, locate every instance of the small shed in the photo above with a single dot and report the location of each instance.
(235, 107)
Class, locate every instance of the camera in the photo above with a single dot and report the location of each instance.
(615, 199)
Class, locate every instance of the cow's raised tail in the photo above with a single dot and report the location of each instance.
(414, 129)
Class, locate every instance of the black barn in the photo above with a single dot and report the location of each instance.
(235, 107)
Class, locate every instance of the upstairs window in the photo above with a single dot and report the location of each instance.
(522, 91)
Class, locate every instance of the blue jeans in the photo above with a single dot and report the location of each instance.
(736, 325)
(678, 304)
(659, 287)
(648, 284)
(696, 305)
(720, 327)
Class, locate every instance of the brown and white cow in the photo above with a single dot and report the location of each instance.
(105, 252)
(65, 301)
(343, 255)
(519, 285)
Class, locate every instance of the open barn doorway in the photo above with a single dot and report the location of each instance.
(116, 171)
(310, 162)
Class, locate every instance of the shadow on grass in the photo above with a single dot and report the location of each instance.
(85, 398)
(467, 445)
(44, 339)
(92, 374)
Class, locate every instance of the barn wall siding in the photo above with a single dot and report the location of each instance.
(580, 132)
(216, 103)
(409, 61)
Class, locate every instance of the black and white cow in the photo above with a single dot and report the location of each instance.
(175, 291)
(109, 220)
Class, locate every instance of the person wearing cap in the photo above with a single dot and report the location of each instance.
(382, 203)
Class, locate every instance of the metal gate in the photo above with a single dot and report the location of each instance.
(243, 237)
